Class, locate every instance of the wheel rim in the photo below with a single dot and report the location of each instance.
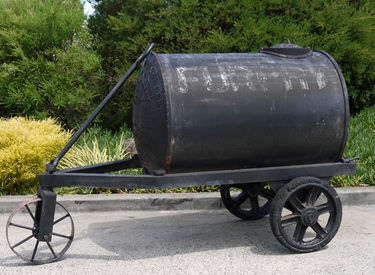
(247, 201)
(22, 228)
(306, 224)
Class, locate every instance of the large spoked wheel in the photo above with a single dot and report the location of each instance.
(305, 214)
(22, 228)
(247, 201)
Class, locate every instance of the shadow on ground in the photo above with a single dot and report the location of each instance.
(168, 234)
(182, 233)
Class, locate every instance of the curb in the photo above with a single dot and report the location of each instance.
(167, 201)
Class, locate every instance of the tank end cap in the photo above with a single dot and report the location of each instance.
(287, 51)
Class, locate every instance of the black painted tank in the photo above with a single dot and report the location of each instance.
(285, 105)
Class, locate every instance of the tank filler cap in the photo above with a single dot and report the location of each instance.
(287, 50)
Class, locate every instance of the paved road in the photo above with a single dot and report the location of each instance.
(199, 242)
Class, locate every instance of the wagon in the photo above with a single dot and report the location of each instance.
(305, 211)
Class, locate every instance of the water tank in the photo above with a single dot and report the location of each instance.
(285, 105)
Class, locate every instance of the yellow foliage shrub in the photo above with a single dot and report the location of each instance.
(24, 145)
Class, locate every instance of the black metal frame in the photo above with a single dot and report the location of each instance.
(97, 175)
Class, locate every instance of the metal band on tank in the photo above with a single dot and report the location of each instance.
(150, 117)
(168, 157)
(346, 100)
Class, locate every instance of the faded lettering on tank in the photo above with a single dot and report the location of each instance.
(229, 76)
(233, 72)
(182, 87)
(251, 85)
(320, 79)
(288, 84)
(262, 79)
(224, 79)
(304, 84)
(194, 79)
(274, 74)
(207, 78)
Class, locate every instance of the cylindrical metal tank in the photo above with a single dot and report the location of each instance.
(285, 105)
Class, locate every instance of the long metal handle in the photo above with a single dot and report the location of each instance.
(51, 167)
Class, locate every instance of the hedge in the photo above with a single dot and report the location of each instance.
(345, 29)
(47, 65)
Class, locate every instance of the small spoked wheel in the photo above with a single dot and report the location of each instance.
(305, 214)
(247, 201)
(22, 230)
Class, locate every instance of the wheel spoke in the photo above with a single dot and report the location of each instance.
(290, 219)
(240, 199)
(296, 203)
(31, 214)
(50, 248)
(254, 204)
(267, 204)
(299, 232)
(35, 249)
(61, 235)
(320, 231)
(288, 206)
(313, 195)
(324, 208)
(60, 219)
(21, 242)
(21, 226)
(267, 194)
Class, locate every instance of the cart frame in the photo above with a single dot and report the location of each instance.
(286, 183)
(96, 175)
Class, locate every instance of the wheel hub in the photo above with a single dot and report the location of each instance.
(309, 216)
(35, 230)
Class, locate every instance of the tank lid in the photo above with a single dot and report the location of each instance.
(287, 50)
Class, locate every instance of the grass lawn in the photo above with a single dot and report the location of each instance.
(361, 143)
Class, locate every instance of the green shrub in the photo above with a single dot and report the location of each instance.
(82, 155)
(97, 145)
(105, 138)
(47, 66)
(24, 145)
(345, 29)
(361, 143)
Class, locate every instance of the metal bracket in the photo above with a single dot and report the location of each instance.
(349, 160)
(158, 172)
(45, 213)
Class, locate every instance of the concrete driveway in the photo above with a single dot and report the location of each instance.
(198, 242)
